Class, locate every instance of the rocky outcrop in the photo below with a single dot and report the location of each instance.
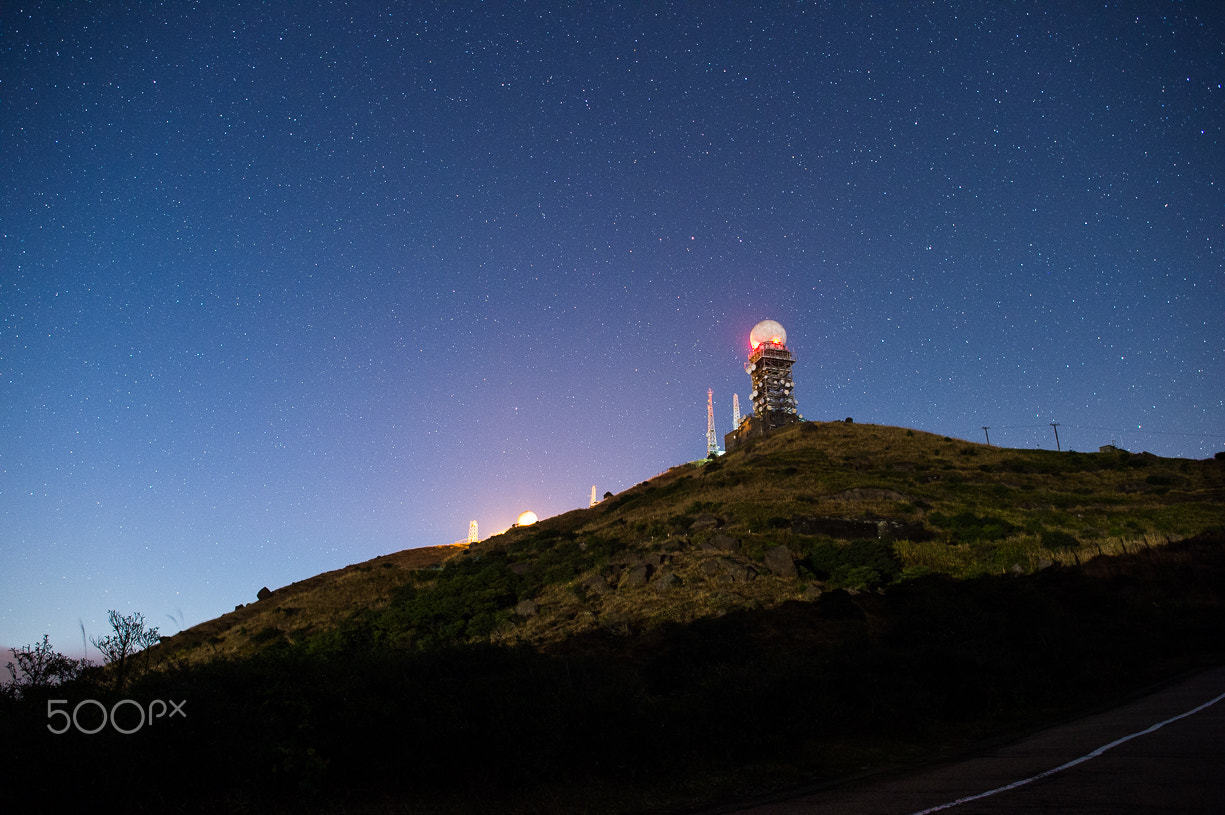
(726, 570)
(596, 584)
(665, 582)
(636, 576)
(720, 542)
(779, 560)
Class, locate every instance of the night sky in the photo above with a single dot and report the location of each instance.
(287, 286)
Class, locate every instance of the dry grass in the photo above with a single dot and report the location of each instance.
(302, 607)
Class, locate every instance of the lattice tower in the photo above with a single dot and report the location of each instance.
(735, 410)
(773, 396)
(712, 442)
(473, 537)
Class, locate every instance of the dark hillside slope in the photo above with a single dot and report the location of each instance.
(655, 720)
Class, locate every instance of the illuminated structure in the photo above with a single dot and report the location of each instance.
(735, 410)
(769, 368)
(593, 498)
(526, 518)
(712, 441)
(473, 537)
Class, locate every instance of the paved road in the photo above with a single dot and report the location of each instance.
(1164, 753)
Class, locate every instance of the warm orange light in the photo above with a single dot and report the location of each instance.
(767, 331)
(527, 519)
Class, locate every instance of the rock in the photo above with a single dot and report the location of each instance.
(705, 522)
(263, 594)
(736, 572)
(526, 608)
(596, 584)
(240, 605)
(636, 577)
(779, 561)
(665, 582)
(722, 542)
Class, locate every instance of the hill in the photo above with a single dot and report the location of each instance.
(830, 600)
(814, 507)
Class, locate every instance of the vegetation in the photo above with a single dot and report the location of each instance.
(825, 598)
(129, 636)
(40, 667)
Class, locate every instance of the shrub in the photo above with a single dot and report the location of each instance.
(862, 563)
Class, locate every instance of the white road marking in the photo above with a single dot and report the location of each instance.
(1073, 762)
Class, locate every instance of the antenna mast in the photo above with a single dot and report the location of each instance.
(593, 500)
(712, 443)
(735, 411)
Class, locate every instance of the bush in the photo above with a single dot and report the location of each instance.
(863, 564)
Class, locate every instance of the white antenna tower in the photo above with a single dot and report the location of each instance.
(735, 411)
(593, 500)
(712, 443)
(473, 537)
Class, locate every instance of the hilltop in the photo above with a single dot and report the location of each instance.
(813, 507)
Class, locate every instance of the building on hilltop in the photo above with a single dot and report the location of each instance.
(773, 396)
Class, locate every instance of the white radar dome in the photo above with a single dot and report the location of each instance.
(767, 331)
(527, 519)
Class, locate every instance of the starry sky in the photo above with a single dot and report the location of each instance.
(287, 286)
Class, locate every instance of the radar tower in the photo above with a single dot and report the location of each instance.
(769, 367)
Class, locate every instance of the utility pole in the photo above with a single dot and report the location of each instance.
(1055, 425)
(988, 435)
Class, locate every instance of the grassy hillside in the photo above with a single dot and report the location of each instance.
(855, 506)
(304, 607)
(830, 600)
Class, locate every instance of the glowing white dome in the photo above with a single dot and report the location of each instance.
(767, 331)
(527, 519)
